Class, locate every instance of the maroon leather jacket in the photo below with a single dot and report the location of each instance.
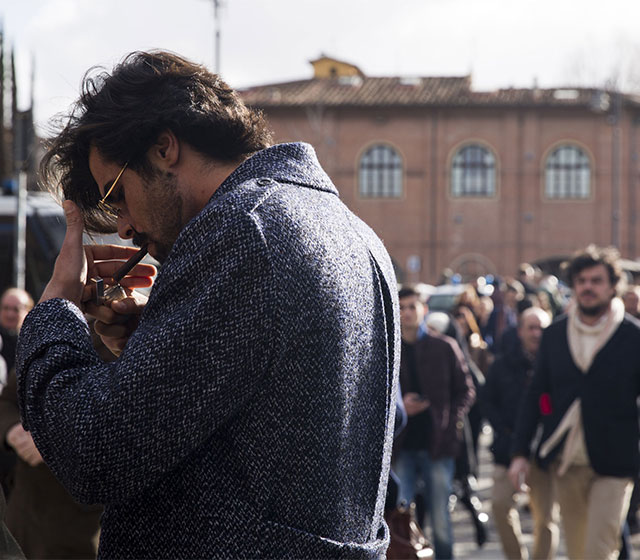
(445, 381)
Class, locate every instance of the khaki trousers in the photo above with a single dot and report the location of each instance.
(544, 511)
(593, 509)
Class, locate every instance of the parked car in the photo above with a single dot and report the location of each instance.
(444, 297)
(45, 232)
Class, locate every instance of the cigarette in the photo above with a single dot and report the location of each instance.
(126, 267)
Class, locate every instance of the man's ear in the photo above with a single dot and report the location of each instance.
(165, 152)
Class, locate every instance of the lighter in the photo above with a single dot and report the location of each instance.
(116, 292)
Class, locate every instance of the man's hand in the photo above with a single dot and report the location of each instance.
(22, 442)
(76, 265)
(414, 403)
(70, 271)
(519, 473)
(115, 323)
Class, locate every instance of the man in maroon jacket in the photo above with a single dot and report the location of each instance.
(438, 390)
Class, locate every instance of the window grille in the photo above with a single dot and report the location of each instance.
(473, 172)
(380, 172)
(568, 173)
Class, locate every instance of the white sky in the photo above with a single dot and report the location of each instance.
(501, 43)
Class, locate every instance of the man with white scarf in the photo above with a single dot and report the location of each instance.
(584, 393)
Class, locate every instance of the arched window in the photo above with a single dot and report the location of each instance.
(473, 172)
(380, 172)
(567, 173)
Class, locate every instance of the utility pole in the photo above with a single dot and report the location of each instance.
(3, 153)
(14, 106)
(23, 137)
(216, 44)
(20, 223)
(20, 232)
(217, 4)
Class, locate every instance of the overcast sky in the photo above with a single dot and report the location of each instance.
(501, 43)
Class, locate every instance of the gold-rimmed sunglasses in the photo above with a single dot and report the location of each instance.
(103, 204)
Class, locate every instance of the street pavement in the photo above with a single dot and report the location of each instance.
(464, 533)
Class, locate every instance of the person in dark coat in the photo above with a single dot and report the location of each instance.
(501, 401)
(9, 548)
(250, 413)
(41, 515)
(15, 303)
(438, 391)
(466, 470)
(504, 315)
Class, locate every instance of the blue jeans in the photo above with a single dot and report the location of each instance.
(414, 465)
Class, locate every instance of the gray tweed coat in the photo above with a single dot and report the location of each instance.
(251, 413)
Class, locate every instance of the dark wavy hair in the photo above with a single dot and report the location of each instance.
(123, 113)
(592, 256)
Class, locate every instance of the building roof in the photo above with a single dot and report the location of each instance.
(358, 90)
(363, 91)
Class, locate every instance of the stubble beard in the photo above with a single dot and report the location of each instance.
(165, 215)
(594, 310)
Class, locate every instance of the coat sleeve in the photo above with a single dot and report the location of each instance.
(529, 416)
(489, 398)
(200, 352)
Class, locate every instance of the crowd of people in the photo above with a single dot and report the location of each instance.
(527, 360)
(460, 371)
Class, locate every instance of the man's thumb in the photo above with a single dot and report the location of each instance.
(75, 224)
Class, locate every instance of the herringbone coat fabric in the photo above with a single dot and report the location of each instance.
(251, 412)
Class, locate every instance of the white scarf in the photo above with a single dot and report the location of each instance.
(585, 341)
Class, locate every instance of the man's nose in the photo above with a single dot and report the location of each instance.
(125, 229)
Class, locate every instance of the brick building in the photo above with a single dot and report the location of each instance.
(474, 181)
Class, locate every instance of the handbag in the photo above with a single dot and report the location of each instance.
(407, 540)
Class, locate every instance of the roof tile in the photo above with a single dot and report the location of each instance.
(415, 91)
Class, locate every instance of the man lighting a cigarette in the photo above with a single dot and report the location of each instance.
(250, 411)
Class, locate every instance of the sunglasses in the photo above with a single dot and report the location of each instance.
(106, 207)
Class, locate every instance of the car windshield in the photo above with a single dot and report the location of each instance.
(442, 302)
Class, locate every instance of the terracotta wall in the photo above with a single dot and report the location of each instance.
(493, 234)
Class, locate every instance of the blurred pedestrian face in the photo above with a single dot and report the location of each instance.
(593, 290)
(412, 312)
(511, 298)
(530, 333)
(13, 309)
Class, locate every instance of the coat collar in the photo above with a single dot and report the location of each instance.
(295, 163)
